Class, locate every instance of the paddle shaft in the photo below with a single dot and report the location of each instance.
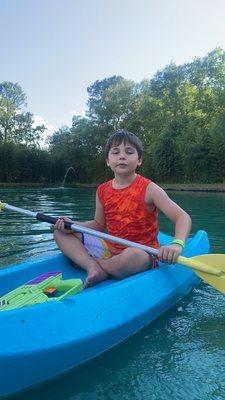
(82, 229)
(188, 262)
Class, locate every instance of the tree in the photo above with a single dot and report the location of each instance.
(12, 92)
(15, 123)
(95, 91)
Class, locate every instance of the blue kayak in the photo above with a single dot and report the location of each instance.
(39, 342)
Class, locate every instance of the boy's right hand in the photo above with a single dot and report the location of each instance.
(60, 226)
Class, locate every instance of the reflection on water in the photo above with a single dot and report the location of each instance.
(180, 356)
(23, 237)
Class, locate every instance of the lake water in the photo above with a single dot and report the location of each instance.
(181, 356)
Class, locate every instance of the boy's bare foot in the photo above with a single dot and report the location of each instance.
(95, 274)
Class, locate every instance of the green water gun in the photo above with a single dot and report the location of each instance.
(47, 287)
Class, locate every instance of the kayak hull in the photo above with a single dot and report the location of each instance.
(42, 341)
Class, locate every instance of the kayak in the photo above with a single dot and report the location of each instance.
(40, 341)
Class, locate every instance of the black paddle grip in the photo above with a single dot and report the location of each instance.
(52, 220)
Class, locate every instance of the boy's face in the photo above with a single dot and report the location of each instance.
(123, 159)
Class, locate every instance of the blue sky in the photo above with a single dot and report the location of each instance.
(56, 48)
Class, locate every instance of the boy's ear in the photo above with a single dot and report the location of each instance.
(107, 162)
(140, 162)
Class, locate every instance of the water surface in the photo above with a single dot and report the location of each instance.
(180, 356)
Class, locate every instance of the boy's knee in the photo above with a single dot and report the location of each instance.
(57, 235)
(137, 254)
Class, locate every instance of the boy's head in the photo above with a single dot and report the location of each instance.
(126, 137)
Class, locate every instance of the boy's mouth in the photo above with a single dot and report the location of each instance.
(122, 165)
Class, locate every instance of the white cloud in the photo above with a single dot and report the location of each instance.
(78, 113)
(50, 128)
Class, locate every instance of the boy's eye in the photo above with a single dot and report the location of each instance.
(128, 150)
(114, 151)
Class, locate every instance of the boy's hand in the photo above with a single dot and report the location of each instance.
(169, 253)
(60, 226)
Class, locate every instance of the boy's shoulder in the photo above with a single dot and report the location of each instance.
(104, 184)
(144, 179)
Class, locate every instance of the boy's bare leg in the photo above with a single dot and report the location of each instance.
(71, 245)
(129, 262)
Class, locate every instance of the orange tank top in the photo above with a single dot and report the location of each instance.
(127, 216)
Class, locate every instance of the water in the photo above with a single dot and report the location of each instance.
(65, 176)
(180, 356)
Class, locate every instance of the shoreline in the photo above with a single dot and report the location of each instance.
(189, 187)
(194, 187)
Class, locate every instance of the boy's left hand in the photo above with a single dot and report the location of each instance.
(169, 253)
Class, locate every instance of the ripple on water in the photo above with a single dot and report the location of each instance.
(180, 356)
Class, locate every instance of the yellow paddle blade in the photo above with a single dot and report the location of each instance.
(210, 268)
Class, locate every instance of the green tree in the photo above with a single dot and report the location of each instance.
(95, 92)
(15, 123)
(179, 114)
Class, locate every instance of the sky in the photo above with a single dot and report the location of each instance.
(55, 49)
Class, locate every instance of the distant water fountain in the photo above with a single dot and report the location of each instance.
(65, 176)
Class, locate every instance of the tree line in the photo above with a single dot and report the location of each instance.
(179, 114)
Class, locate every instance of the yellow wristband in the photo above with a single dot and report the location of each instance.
(178, 241)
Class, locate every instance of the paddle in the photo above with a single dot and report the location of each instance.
(210, 267)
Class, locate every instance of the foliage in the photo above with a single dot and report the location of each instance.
(15, 123)
(179, 114)
(21, 163)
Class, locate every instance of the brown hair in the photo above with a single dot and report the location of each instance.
(123, 136)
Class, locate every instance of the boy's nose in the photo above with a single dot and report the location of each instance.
(122, 156)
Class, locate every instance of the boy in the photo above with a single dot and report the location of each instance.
(127, 206)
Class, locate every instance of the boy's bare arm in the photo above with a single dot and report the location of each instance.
(98, 223)
(157, 197)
